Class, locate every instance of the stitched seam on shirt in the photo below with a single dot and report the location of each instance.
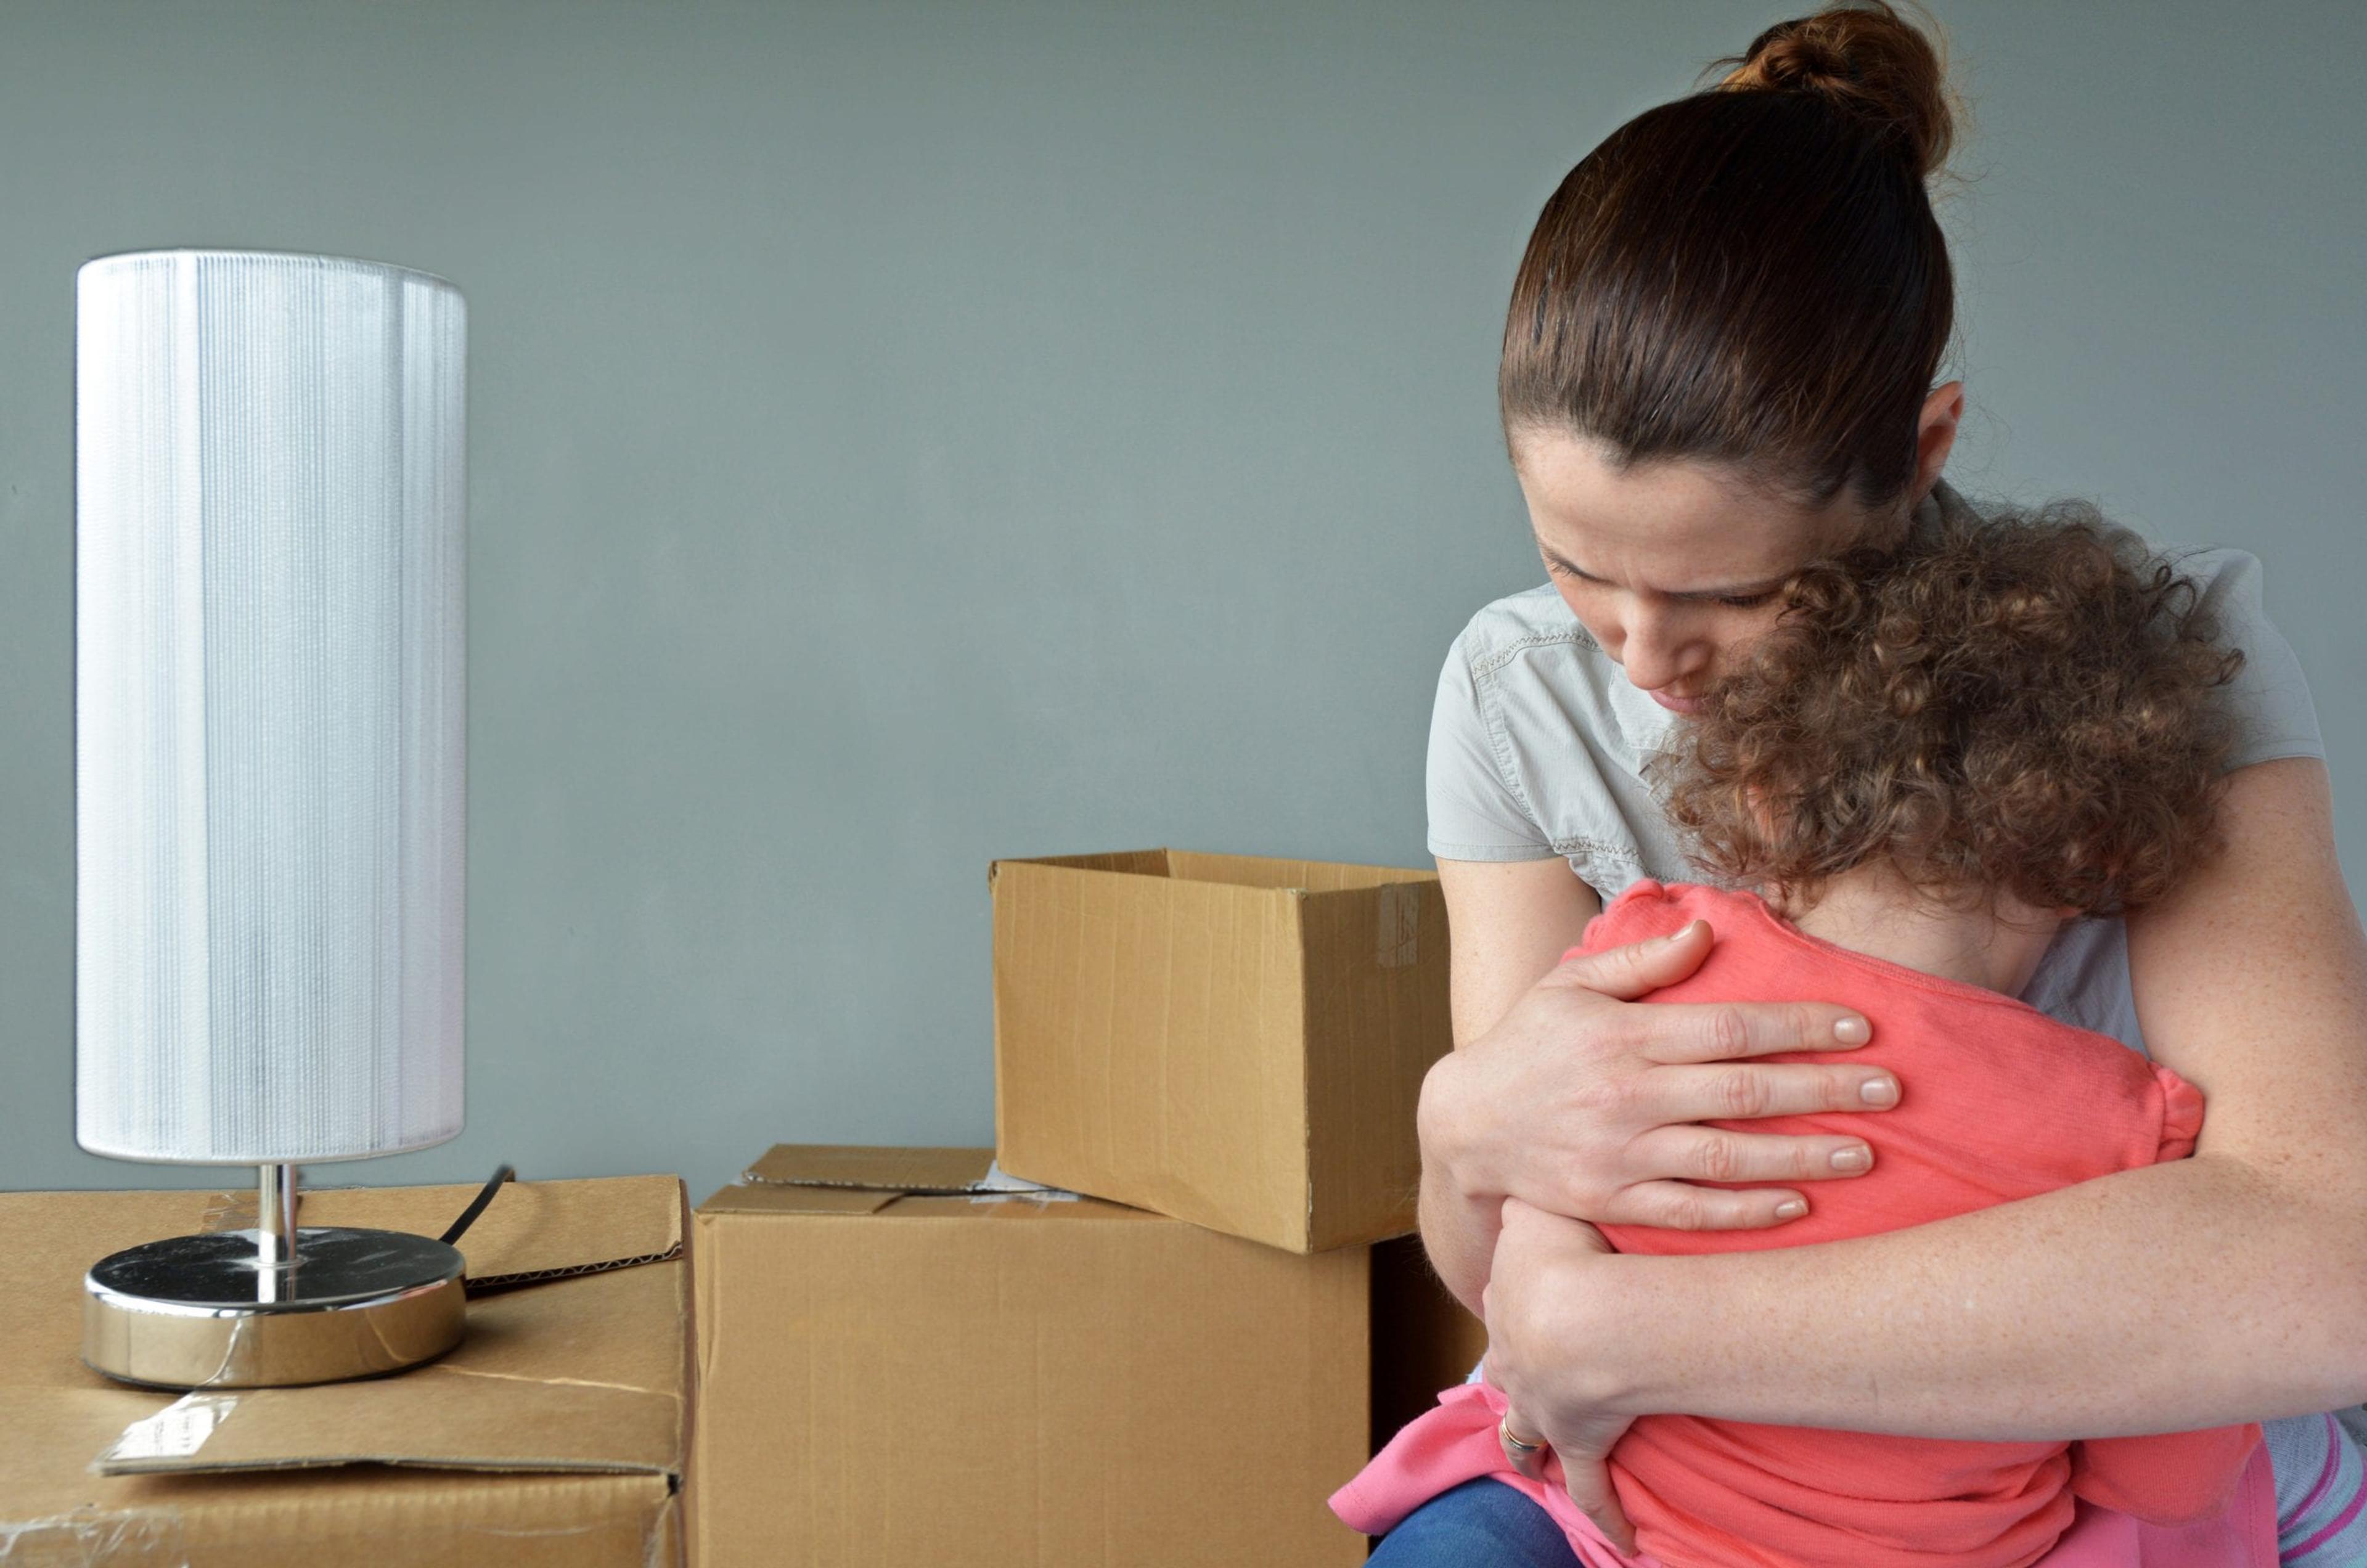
(1599, 865)
(1576, 637)
(1595, 849)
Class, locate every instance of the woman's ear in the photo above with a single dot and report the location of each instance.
(1936, 435)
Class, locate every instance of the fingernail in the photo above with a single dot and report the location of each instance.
(1790, 1208)
(1859, 1158)
(1679, 934)
(1852, 1030)
(1878, 1092)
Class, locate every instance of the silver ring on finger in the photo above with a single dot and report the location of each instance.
(1519, 1451)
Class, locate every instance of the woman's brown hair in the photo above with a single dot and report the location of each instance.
(1753, 275)
(2025, 705)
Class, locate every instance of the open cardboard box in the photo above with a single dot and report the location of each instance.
(556, 1432)
(900, 1364)
(1233, 1040)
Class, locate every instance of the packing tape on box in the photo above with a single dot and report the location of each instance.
(176, 1431)
(999, 1184)
(130, 1538)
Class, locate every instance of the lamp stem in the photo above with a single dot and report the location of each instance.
(274, 1217)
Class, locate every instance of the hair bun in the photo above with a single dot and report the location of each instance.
(1868, 59)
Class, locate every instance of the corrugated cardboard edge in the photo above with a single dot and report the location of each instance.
(396, 1519)
(865, 1168)
(1128, 863)
(677, 1510)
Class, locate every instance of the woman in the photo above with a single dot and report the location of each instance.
(1719, 365)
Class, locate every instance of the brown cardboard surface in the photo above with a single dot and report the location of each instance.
(803, 1200)
(588, 1375)
(875, 1169)
(1227, 1040)
(976, 1381)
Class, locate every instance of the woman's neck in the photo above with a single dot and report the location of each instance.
(1874, 910)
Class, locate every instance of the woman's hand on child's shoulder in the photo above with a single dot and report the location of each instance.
(1585, 1102)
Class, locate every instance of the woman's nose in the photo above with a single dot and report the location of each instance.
(1655, 650)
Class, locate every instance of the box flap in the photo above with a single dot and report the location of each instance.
(750, 1199)
(1130, 862)
(1314, 877)
(517, 1394)
(587, 1374)
(885, 1170)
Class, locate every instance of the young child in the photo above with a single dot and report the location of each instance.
(1939, 755)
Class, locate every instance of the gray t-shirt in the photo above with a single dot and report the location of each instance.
(1538, 745)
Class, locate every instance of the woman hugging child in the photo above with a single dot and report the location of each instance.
(1939, 755)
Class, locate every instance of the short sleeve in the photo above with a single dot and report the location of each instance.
(1474, 814)
(2269, 696)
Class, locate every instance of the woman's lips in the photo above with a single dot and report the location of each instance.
(1673, 702)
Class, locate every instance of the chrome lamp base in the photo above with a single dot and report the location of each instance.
(198, 1311)
(273, 1306)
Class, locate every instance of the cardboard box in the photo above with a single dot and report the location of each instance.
(897, 1368)
(553, 1435)
(1234, 1041)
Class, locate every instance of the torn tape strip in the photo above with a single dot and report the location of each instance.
(176, 1432)
(125, 1537)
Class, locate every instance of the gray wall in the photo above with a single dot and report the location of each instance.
(904, 435)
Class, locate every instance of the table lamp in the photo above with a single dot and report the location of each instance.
(268, 731)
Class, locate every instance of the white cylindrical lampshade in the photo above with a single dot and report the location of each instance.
(268, 708)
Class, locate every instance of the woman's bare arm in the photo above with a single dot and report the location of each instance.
(1509, 921)
(2226, 1287)
(1508, 924)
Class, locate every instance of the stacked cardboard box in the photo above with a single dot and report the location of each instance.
(903, 1358)
(554, 1435)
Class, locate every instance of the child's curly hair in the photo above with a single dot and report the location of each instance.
(2022, 704)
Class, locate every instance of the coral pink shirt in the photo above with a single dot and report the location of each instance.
(1998, 1103)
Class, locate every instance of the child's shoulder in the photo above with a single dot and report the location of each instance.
(1650, 908)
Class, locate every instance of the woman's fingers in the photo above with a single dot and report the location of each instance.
(1681, 1206)
(1626, 973)
(1589, 1486)
(1738, 1091)
(1725, 1032)
(1525, 1449)
(1713, 1154)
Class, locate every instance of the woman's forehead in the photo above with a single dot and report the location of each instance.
(1674, 525)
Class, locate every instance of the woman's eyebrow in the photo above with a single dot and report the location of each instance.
(1744, 591)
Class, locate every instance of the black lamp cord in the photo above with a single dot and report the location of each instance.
(477, 1205)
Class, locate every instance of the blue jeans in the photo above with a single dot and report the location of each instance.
(1480, 1524)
